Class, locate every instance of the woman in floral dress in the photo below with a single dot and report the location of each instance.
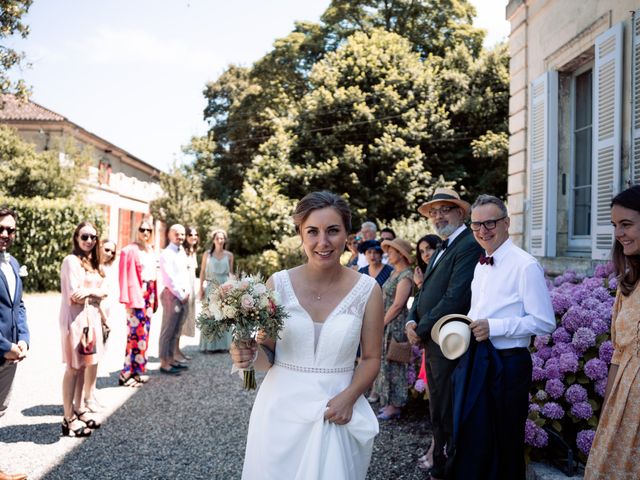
(616, 446)
(391, 384)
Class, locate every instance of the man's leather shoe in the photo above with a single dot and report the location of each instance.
(15, 476)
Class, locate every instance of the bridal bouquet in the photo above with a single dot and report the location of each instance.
(244, 306)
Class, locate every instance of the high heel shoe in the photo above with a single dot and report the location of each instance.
(75, 428)
(89, 420)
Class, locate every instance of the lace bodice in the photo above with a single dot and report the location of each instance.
(340, 334)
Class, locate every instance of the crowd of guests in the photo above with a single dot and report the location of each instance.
(468, 273)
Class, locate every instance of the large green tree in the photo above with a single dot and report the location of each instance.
(11, 13)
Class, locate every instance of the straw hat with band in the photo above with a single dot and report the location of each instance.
(444, 195)
(452, 334)
(401, 246)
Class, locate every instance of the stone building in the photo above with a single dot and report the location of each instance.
(574, 121)
(120, 183)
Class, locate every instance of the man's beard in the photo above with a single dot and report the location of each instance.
(447, 230)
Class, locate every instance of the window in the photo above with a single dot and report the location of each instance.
(581, 160)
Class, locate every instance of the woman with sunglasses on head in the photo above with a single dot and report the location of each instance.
(81, 283)
(217, 265)
(110, 285)
(189, 327)
(137, 274)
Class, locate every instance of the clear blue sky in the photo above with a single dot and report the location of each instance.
(133, 72)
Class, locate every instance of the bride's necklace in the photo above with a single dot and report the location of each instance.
(317, 296)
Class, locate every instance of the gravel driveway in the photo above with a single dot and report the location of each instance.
(187, 427)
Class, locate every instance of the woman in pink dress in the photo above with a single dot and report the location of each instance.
(81, 279)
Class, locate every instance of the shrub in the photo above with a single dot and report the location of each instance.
(43, 239)
(570, 365)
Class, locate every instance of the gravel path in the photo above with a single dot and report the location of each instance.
(187, 427)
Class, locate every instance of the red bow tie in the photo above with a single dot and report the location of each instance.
(484, 260)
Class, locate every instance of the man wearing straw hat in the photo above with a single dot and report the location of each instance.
(445, 290)
(509, 303)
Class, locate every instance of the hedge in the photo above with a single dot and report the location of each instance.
(43, 239)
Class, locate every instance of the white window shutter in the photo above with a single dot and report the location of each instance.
(635, 147)
(543, 164)
(607, 139)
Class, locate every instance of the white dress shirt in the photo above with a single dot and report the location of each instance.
(175, 275)
(512, 295)
(9, 274)
(451, 238)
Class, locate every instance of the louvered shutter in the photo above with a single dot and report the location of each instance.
(543, 164)
(635, 159)
(607, 140)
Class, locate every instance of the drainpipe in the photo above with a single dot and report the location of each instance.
(632, 99)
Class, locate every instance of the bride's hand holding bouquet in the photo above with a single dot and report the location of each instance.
(249, 308)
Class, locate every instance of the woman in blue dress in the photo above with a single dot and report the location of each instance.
(376, 269)
(217, 265)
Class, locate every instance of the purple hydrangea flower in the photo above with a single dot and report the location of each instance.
(599, 327)
(573, 319)
(541, 395)
(605, 352)
(590, 303)
(554, 387)
(582, 291)
(561, 303)
(562, 348)
(537, 374)
(596, 369)
(553, 411)
(534, 407)
(613, 284)
(535, 435)
(561, 335)
(419, 385)
(537, 361)
(568, 362)
(584, 440)
(600, 386)
(583, 339)
(582, 410)
(541, 341)
(601, 293)
(576, 393)
(552, 368)
(600, 271)
(411, 376)
(545, 353)
(590, 284)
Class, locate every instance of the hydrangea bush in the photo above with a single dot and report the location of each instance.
(570, 366)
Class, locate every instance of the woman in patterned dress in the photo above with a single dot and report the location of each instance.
(137, 273)
(391, 384)
(616, 446)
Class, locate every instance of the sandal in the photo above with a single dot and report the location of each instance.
(141, 378)
(88, 419)
(75, 428)
(128, 381)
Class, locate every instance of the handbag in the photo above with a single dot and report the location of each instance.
(399, 352)
(87, 345)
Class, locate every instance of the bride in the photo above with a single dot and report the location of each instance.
(310, 419)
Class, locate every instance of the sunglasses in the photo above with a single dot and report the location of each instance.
(85, 236)
(193, 234)
(9, 230)
(108, 250)
(145, 230)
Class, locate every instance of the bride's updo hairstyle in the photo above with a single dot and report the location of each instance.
(317, 201)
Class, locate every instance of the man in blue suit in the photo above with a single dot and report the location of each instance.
(14, 333)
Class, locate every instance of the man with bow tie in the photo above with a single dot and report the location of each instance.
(14, 333)
(510, 303)
(445, 290)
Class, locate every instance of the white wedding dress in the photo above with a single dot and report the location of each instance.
(288, 438)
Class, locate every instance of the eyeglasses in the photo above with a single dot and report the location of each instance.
(489, 224)
(9, 230)
(433, 212)
(108, 250)
(145, 230)
(85, 236)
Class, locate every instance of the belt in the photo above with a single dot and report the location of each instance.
(510, 352)
(300, 368)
